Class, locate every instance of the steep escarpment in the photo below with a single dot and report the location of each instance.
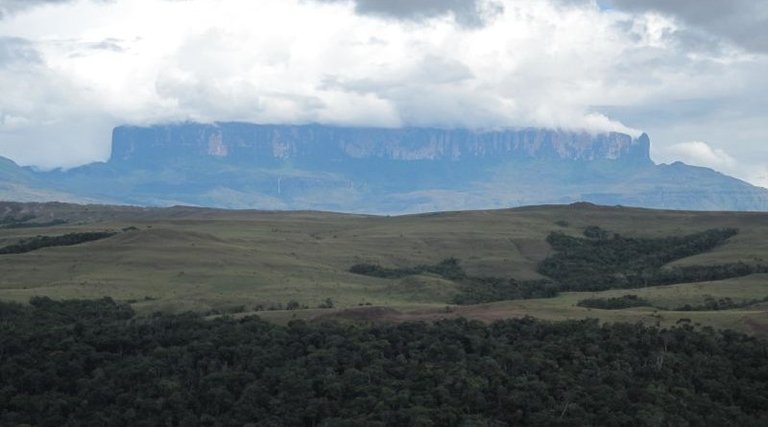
(374, 170)
(316, 144)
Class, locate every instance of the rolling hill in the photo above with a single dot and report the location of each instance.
(219, 261)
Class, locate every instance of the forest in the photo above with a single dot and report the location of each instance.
(603, 260)
(92, 362)
(598, 261)
(39, 242)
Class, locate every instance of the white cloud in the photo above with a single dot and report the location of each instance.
(533, 63)
(701, 154)
(761, 178)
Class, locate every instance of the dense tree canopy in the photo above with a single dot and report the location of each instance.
(596, 262)
(448, 268)
(39, 242)
(600, 261)
(92, 363)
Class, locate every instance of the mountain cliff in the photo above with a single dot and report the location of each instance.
(271, 144)
(242, 165)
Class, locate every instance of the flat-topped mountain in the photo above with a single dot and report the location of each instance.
(375, 170)
(271, 144)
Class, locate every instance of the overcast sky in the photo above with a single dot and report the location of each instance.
(690, 73)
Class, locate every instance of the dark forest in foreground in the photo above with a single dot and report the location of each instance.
(94, 363)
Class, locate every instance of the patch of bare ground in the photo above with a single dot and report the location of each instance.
(758, 326)
(482, 312)
(363, 314)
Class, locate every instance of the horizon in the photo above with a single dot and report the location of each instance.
(691, 76)
(216, 123)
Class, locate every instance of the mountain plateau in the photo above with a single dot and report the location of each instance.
(376, 170)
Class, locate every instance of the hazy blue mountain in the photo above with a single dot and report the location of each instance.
(241, 165)
(24, 185)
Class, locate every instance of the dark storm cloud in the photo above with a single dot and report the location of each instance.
(744, 22)
(471, 13)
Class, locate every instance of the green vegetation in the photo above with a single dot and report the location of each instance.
(33, 224)
(628, 301)
(328, 303)
(214, 261)
(489, 289)
(616, 303)
(600, 262)
(597, 262)
(39, 242)
(90, 363)
(11, 219)
(22, 221)
(98, 362)
(726, 303)
(448, 268)
(471, 290)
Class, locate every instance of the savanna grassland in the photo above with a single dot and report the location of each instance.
(240, 262)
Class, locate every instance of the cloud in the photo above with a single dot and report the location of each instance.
(470, 13)
(16, 50)
(476, 64)
(761, 177)
(701, 154)
(9, 7)
(743, 22)
(12, 6)
(45, 119)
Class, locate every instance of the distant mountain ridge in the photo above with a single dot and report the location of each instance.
(375, 170)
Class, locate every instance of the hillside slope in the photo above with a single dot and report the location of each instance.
(182, 258)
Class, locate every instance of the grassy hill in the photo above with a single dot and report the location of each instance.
(208, 260)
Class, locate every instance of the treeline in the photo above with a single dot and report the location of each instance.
(448, 268)
(601, 261)
(39, 242)
(629, 301)
(478, 290)
(472, 290)
(78, 363)
(715, 304)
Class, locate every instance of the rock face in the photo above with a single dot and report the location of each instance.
(241, 165)
(264, 145)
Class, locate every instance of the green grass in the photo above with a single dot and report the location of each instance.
(201, 259)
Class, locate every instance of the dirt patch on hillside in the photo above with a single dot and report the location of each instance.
(483, 312)
(759, 326)
(363, 314)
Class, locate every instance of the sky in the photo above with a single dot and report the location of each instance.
(690, 73)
